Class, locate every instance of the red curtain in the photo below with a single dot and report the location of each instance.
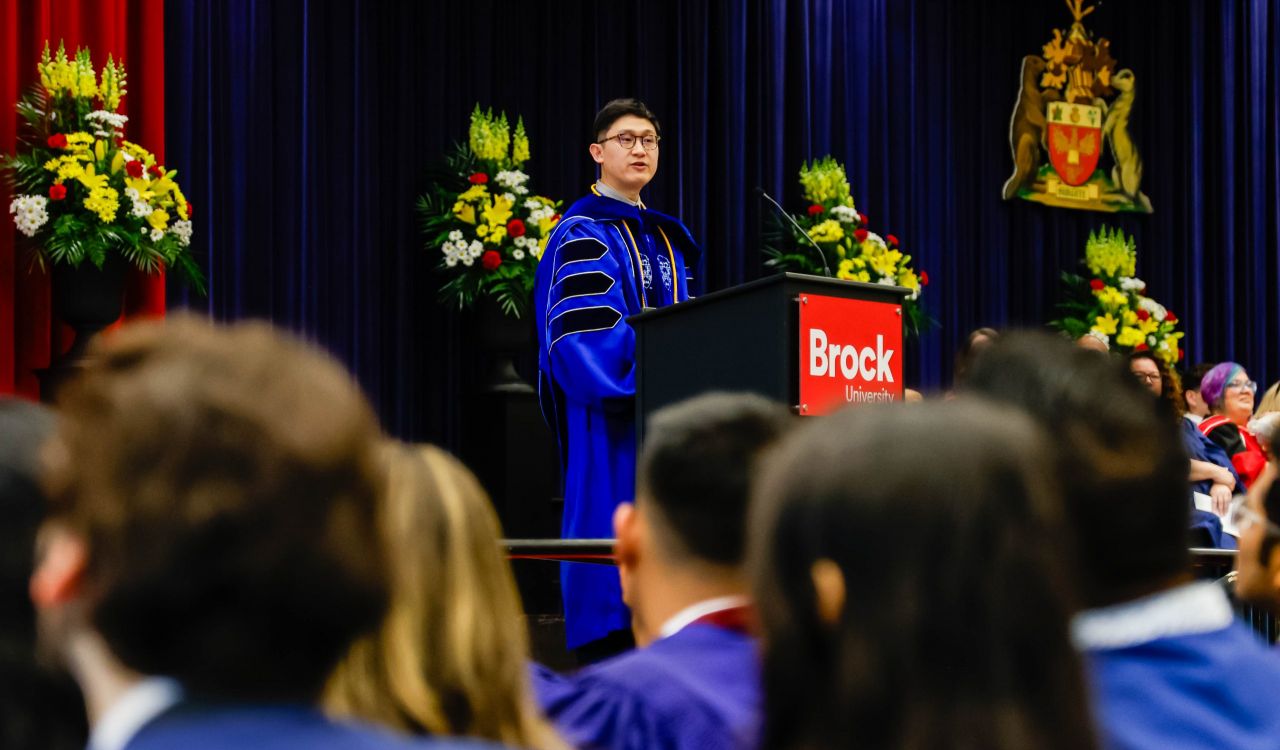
(132, 31)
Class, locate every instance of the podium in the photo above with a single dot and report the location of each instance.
(813, 343)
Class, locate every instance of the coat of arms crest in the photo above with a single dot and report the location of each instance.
(1071, 104)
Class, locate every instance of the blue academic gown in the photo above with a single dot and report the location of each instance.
(1207, 691)
(274, 727)
(606, 260)
(698, 689)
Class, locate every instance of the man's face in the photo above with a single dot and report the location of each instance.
(626, 169)
(1195, 402)
(1258, 580)
(1147, 373)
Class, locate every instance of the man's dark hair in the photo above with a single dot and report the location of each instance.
(39, 707)
(696, 467)
(616, 110)
(225, 481)
(1120, 461)
(943, 523)
(1192, 376)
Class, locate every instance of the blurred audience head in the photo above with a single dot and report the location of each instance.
(913, 595)
(451, 655)
(1270, 401)
(1094, 342)
(1118, 457)
(1227, 390)
(40, 707)
(1258, 562)
(1265, 427)
(213, 497)
(1191, 397)
(1158, 378)
(693, 484)
(974, 344)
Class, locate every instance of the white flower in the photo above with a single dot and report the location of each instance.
(509, 198)
(1129, 284)
(845, 214)
(30, 212)
(1156, 309)
(455, 235)
(110, 119)
(511, 178)
(517, 254)
(468, 261)
(533, 204)
(876, 239)
(520, 241)
(182, 230)
(157, 235)
(141, 208)
(477, 247)
(887, 281)
(451, 261)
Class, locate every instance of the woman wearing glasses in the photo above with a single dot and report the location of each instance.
(1229, 393)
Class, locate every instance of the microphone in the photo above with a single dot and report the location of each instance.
(796, 224)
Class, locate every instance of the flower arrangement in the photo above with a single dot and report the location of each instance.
(481, 215)
(1110, 304)
(849, 250)
(81, 190)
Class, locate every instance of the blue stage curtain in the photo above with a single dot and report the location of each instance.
(304, 129)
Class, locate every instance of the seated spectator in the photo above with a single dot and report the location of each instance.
(450, 657)
(40, 707)
(1229, 393)
(212, 548)
(1196, 409)
(974, 344)
(1169, 665)
(909, 603)
(1258, 563)
(1211, 471)
(694, 682)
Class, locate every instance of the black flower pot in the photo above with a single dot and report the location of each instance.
(501, 339)
(88, 298)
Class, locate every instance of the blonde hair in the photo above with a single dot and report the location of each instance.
(451, 657)
(1270, 400)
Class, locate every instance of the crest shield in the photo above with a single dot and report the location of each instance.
(1074, 140)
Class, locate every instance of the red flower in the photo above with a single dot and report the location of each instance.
(57, 140)
(1143, 315)
(155, 171)
(515, 228)
(860, 235)
(863, 220)
(133, 168)
(924, 278)
(892, 240)
(816, 209)
(555, 218)
(1141, 347)
(190, 211)
(490, 260)
(1181, 354)
(479, 178)
(1096, 285)
(1170, 318)
(57, 192)
(119, 141)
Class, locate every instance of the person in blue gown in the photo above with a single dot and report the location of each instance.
(610, 257)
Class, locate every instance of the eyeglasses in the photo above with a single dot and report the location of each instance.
(1247, 385)
(628, 140)
(1244, 518)
(1148, 377)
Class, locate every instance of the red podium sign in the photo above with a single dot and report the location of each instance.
(850, 353)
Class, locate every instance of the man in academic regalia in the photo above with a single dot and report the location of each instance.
(694, 682)
(610, 257)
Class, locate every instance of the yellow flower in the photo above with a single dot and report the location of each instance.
(824, 182)
(498, 212)
(1111, 298)
(482, 231)
(1105, 324)
(490, 136)
(1110, 253)
(884, 261)
(520, 144)
(1148, 326)
(546, 225)
(828, 231)
(845, 270)
(474, 193)
(908, 278)
(498, 234)
(103, 201)
(465, 212)
(1130, 336)
(158, 219)
(1129, 317)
